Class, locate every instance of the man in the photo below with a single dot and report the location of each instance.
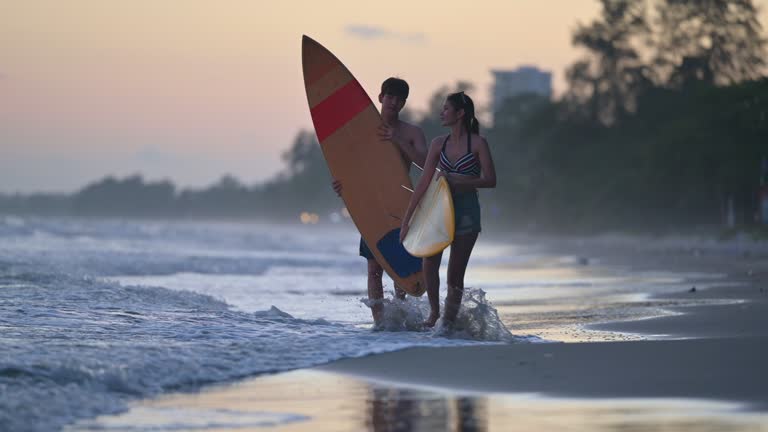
(413, 146)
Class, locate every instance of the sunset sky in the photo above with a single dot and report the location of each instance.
(191, 90)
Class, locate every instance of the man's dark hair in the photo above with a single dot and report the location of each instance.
(395, 87)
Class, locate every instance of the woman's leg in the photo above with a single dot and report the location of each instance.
(431, 269)
(461, 249)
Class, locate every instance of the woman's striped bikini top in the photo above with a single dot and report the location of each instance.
(466, 165)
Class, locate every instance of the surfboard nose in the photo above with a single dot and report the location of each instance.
(316, 60)
(306, 40)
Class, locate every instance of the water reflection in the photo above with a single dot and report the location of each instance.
(403, 410)
(393, 409)
(318, 401)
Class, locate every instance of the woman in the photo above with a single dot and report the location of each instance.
(465, 160)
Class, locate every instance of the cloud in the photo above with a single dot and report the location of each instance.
(367, 32)
(371, 32)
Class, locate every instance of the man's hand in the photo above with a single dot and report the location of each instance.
(387, 133)
(336, 185)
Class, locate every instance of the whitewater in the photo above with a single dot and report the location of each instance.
(97, 313)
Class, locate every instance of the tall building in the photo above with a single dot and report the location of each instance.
(525, 79)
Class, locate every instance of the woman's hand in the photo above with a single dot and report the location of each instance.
(403, 231)
(449, 177)
(457, 182)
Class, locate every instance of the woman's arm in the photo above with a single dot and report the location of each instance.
(487, 178)
(426, 177)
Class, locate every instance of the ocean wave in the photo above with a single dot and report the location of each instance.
(76, 347)
(76, 342)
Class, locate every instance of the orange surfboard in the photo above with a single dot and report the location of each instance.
(370, 170)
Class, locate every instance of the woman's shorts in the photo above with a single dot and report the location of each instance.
(466, 207)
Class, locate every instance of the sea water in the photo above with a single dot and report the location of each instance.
(95, 313)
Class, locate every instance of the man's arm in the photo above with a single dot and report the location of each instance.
(416, 146)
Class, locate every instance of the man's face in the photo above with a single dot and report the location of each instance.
(391, 104)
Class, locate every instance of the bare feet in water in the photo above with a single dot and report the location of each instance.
(430, 322)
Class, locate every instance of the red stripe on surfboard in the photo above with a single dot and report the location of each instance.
(339, 108)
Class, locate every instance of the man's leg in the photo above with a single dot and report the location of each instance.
(375, 287)
(375, 290)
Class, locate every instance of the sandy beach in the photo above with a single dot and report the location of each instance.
(699, 364)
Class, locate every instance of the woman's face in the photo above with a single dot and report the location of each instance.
(450, 115)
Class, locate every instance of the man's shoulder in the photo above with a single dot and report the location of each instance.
(411, 128)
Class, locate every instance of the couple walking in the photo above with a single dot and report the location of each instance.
(465, 159)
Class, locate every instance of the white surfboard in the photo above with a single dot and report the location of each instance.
(431, 228)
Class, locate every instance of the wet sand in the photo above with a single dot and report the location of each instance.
(716, 351)
(718, 369)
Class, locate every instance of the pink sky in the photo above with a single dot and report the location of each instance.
(190, 90)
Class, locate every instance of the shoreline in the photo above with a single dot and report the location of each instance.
(710, 365)
(734, 306)
(715, 349)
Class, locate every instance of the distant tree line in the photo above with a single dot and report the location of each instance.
(303, 185)
(663, 125)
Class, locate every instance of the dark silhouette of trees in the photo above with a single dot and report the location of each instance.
(128, 197)
(710, 41)
(604, 86)
(226, 198)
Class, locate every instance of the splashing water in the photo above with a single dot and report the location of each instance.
(477, 320)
